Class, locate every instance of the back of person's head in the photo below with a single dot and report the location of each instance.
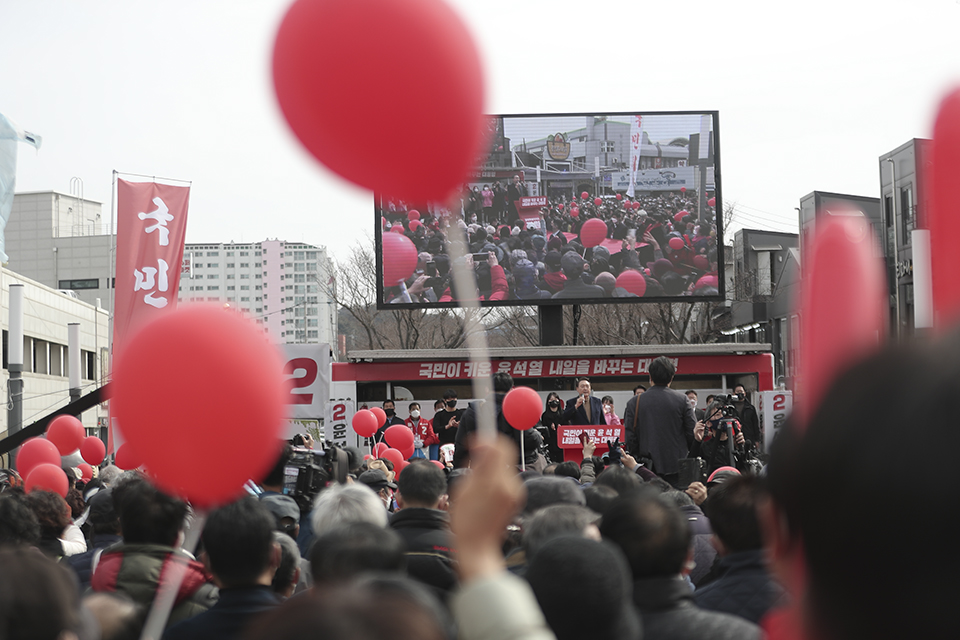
(103, 515)
(274, 477)
(421, 485)
(550, 469)
(661, 370)
(119, 617)
(109, 474)
(652, 533)
(679, 498)
(825, 484)
(342, 504)
(38, 597)
(147, 515)
(373, 608)
(599, 497)
(502, 382)
(619, 479)
(238, 540)
(285, 578)
(18, 522)
(659, 484)
(351, 549)
(543, 491)
(600, 606)
(555, 521)
(732, 509)
(51, 510)
(568, 469)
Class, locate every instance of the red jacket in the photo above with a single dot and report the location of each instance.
(423, 429)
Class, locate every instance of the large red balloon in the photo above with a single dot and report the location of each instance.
(126, 458)
(67, 433)
(597, 201)
(636, 205)
(593, 232)
(364, 423)
(86, 471)
(574, 212)
(843, 299)
(379, 448)
(381, 416)
(399, 436)
(92, 450)
(619, 196)
(393, 456)
(202, 431)
(944, 215)
(675, 243)
(36, 451)
(406, 69)
(712, 202)
(633, 282)
(584, 195)
(47, 477)
(412, 215)
(522, 408)
(399, 258)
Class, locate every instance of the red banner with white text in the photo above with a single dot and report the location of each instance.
(151, 228)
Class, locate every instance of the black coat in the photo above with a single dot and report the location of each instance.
(745, 588)
(426, 534)
(228, 618)
(667, 610)
(664, 427)
(572, 414)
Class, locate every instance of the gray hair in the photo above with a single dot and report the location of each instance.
(109, 474)
(554, 521)
(342, 504)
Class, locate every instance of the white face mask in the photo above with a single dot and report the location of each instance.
(414, 414)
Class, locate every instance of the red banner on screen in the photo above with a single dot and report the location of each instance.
(151, 227)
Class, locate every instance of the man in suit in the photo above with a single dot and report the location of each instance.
(663, 425)
(585, 408)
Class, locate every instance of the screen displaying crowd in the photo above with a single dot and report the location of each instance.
(541, 230)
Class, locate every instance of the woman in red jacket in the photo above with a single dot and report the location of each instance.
(423, 435)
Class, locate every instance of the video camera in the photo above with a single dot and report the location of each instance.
(308, 471)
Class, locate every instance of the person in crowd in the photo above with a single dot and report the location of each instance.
(343, 504)
(609, 412)
(693, 399)
(389, 408)
(574, 285)
(151, 523)
(549, 421)
(38, 597)
(515, 191)
(106, 532)
(704, 552)
(654, 536)
(543, 491)
(288, 574)
(716, 435)
(377, 480)
(53, 514)
(240, 551)
(568, 469)
(554, 521)
(585, 408)
(422, 522)
(744, 587)
(599, 497)
(663, 427)
(117, 615)
(425, 441)
(18, 523)
(748, 417)
(446, 422)
(348, 550)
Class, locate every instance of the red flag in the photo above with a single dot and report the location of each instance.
(151, 227)
(944, 215)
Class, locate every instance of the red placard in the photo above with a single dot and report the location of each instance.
(568, 436)
(151, 227)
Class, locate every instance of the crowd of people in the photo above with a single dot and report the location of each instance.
(659, 236)
(824, 543)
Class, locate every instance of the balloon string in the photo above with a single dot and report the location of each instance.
(175, 572)
(465, 283)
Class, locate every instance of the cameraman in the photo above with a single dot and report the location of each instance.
(747, 415)
(713, 433)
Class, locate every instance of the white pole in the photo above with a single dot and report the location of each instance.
(15, 362)
(922, 279)
(73, 359)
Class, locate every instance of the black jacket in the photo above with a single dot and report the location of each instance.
(667, 610)
(572, 414)
(426, 534)
(664, 427)
(82, 563)
(744, 589)
(228, 618)
(532, 440)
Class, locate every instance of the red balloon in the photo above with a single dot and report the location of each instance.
(675, 243)
(379, 448)
(125, 457)
(636, 205)
(397, 228)
(415, 224)
(393, 456)
(584, 195)
(47, 477)
(67, 433)
(707, 281)
(701, 262)
(560, 206)
(597, 202)
(943, 221)
(36, 451)
(399, 259)
(381, 416)
(522, 408)
(337, 62)
(92, 450)
(364, 423)
(407, 453)
(712, 202)
(679, 216)
(383, 222)
(843, 294)
(593, 232)
(633, 282)
(683, 189)
(413, 214)
(233, 397)
(86, 471)
(619, 196)
(398, 468)
(399, 436)
(574, 212)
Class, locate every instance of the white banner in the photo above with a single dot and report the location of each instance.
(636, 140)
(775, 406)
(308, 368)
(337, 419)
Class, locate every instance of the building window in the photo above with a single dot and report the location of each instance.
(230, 276)
(299, 277)
(313, 334)
(906, 213)
(311, 255)
(244, 276)
(311, 311)
(245, 299)
(312, 322)
(230, 265)
(213, 254)
(244, 265)
(231, 288)
(213, 276)
(244, 253)
(215, 287)
(244, 287)
(89, 283)
(229, 254)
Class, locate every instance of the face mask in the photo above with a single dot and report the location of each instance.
(451, 403)
(554, 404)
(389, 412)
(414, 414)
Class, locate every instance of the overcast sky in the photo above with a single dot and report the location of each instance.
(809, 95)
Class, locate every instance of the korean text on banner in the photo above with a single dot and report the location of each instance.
(151, 227)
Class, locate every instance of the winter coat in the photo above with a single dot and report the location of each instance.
(429, 552)
(745, 587)
(667, 611)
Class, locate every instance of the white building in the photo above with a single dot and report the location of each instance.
(46, 314)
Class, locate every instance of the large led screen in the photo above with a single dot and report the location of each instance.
(568, 209)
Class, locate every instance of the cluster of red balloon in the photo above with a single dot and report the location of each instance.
(201, 431)
(398, 445)
(40, 460)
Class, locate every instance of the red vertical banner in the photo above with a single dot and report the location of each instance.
(151, 228)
